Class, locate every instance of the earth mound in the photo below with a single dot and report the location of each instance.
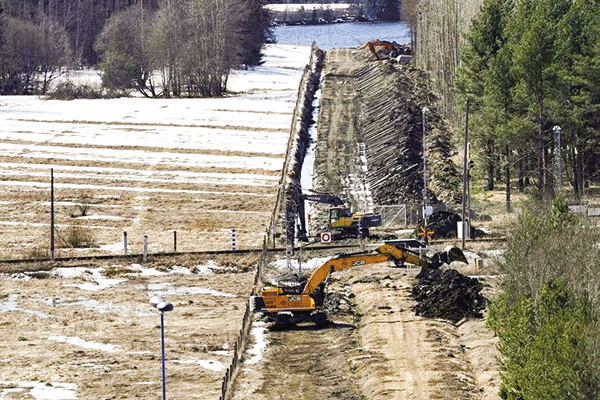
(448, 294)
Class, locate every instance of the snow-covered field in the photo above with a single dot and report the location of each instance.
(146, 167)
(131, 159)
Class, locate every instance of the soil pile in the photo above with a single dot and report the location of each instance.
(447, 294)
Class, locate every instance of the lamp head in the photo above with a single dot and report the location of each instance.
(155, 300)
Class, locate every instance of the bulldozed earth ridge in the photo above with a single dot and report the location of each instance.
(368, 151)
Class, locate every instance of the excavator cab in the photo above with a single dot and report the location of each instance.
(336, 213)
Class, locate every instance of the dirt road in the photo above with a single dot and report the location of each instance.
(377, 349)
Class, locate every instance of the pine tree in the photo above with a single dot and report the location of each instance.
(383, 10)
(256, 32)
(486, 78)
(576, 102)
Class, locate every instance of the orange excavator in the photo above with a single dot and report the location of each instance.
(393, 49)
(303, 302)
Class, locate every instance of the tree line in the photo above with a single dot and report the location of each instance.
(182, 46)
(380, 10)
(531, 71)
(547, 314)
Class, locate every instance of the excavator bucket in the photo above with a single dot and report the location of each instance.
(450, 254)
(456, 254)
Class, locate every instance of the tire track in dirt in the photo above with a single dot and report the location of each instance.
(419, 358)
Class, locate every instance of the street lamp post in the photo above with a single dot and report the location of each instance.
(162, 306)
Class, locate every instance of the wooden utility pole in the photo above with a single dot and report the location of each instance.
(465, 176)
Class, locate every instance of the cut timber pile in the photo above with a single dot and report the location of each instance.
(370, 141)
(392, 126)
(369, 145)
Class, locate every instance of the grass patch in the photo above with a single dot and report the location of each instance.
(76, 237)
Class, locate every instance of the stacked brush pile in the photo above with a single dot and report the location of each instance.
(448, 294)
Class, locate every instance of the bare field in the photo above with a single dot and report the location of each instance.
(80, 333)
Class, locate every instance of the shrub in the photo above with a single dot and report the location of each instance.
(547, 317)
(76, 237)
(70, 91)
(544, 345)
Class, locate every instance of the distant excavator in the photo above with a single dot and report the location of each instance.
(342, 222)
(303, 302)
(393, 49)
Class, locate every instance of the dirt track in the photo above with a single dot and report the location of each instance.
(376, 350)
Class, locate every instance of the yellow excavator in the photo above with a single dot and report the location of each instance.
(302, 303)
(342, 222)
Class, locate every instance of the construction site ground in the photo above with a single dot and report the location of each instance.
(377, 348)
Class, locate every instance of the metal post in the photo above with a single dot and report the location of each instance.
(425, 177)
(162, 306)
(125, 243)
(174, 241)
(558, 155)
(51, 214)
(233, 239)
(465, 172)
(468, 219)
(162, 354)
(145, 256)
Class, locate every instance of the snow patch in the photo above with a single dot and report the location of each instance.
(167, 289)
(308, 265)
(76, 341)
(10, 305)
(39, 390)
(260, 342)
(94, 275)
(208, 364)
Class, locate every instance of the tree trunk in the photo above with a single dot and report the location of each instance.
(521, 178)
(490, 165)
(507, 178)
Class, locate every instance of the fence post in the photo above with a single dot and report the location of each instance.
(145, 257)
(51, 214)
(233, 239)
(125, 243)
(174, 241)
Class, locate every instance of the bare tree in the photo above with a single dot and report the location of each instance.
(31, 56)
